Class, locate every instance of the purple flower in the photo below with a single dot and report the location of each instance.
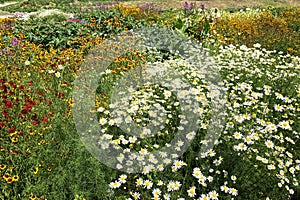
(202, 5)
(156, 9)
(3, 51)
(14, 42)
(19, 14)
(102, 6)
(188, 6)
(146, 6)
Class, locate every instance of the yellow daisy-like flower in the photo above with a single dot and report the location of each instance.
(2, 166)
(33, 197)
(14, 139)
(9, 180)
(15, 178)
(35, 170)
(6, 176)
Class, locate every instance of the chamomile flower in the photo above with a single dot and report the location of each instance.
(123, 178)
(278, 108)
(167, 196)
(160, 182)
(237, 135)
(284, 125)
(27, 62)
(213, 195)
(204, 197)
(139, 182)
(192, 191)
(269, 144)
(239, 118)
(136, 195)
(148, 184)
(115, 184)
(103, 121)
(57, 74)
(271, 167)
(224, 188)
(233, 191)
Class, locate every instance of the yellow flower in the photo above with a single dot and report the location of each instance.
(15, 178)
(33, 197)
(9, 180)
(6, 176)
(14, 139)
(35, 170)
(2, 166)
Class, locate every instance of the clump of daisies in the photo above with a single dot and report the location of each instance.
(256, 148)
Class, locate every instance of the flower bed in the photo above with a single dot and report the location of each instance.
(253, 79)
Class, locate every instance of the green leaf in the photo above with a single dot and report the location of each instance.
(179, 24)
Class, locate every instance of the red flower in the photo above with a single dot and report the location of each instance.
(34, 122)
(24, 112)
(2, 124)
(12, 84)
(5, 113)
(28, 107)
(8, 104)
(30, 102)
(11, 130)
(45, 119)
(15, 151)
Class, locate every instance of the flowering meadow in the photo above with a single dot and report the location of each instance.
(213, 113)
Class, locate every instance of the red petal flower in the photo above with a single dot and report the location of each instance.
(45, 119)
(8, 104)
(11, 130)
(24, 112)
(5, 113)
(12, 84)
(34, 122)
(28, 107)
(2, 124)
